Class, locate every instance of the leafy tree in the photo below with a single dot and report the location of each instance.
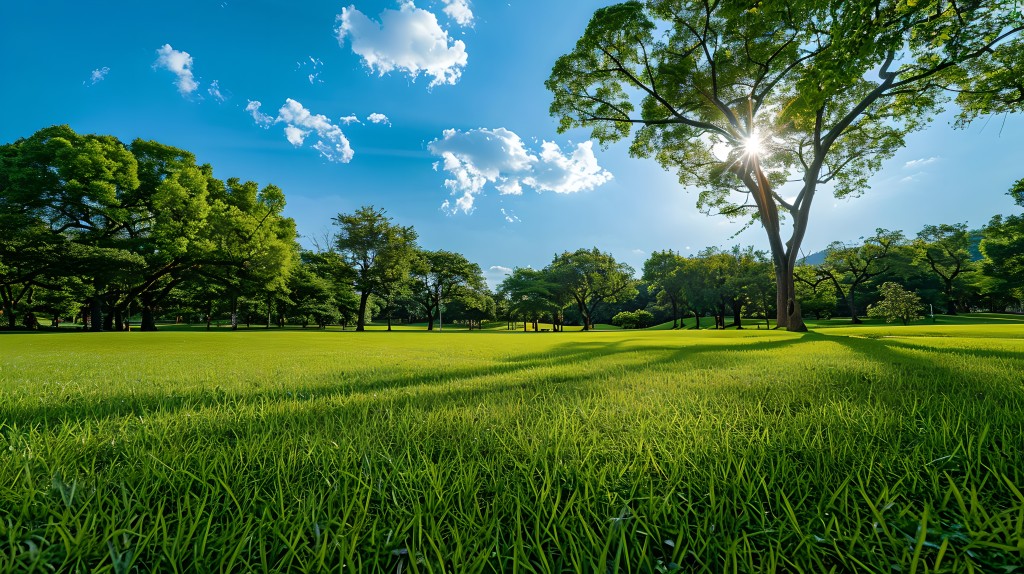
(947, 251)
(591, 277)
(849, 266)
(1002, 246)
(62, 213)
(442, 276)
(897, 304)
(739, 98)
(379, 252)
(663, 271)
(531, 294)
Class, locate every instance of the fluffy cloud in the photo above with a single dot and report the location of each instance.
(97, 76)
(350, 119)
(376, 118)
(180, 64)
(458, 10)
(408, 39)
(499, 157)
(301, 124)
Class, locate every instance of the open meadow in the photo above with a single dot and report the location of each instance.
(870, 449)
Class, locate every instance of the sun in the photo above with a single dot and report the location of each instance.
(752, 145)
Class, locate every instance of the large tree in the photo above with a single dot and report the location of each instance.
(592, 277)
(379, 251)
(739, 97)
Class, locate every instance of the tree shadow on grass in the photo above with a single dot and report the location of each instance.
(589, 361)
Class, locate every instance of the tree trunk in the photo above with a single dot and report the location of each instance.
(361, 319)
(950, 302)
(696, 317)
(234, 313)
(96, 314)
(675, 313)
(12, 321)
(737, 314)
(389, 320)
(853, 308)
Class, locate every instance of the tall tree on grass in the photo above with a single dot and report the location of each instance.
(739, 97)
(592, 277)
(946, 249)
(379, 251)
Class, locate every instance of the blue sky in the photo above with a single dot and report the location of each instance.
(189, 73)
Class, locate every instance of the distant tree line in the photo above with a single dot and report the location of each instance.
(98, 231)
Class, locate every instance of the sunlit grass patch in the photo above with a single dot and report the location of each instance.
(865, 449)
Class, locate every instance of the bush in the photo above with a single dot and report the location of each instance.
(633, 319)
(897, 304)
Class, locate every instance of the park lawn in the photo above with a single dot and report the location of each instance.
(868, 448)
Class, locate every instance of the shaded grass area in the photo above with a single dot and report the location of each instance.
(862, 449)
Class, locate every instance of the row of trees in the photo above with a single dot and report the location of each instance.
(102, 230)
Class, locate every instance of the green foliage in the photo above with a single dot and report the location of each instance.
(591, 277)
(1002, 246)
(380, 252)
(897, 304)
(850, 450)
(640, 319)
(830, 89)
(946, 250)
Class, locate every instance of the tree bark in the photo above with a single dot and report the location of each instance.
(361, 319)
(950, 301)
(96, 314)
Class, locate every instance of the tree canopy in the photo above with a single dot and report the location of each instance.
(741, 98)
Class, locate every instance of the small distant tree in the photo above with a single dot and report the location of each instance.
(897, 304)
(379, 251)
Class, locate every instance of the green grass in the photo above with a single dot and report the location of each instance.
(853, 449)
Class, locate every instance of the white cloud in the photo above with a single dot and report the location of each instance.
(477, 157)
(295, 135)
(376, 118)
(215, 91)
(495, 274)
(180, 64)
(562, 174)
(501, 269)
(259, 117)
(408, 39)
(97, 76)
(509, 216)
(639, 252)
(350, 119)
(300, 124)
(459, 11)
(916, 163)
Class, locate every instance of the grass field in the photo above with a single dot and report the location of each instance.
(849, 449)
